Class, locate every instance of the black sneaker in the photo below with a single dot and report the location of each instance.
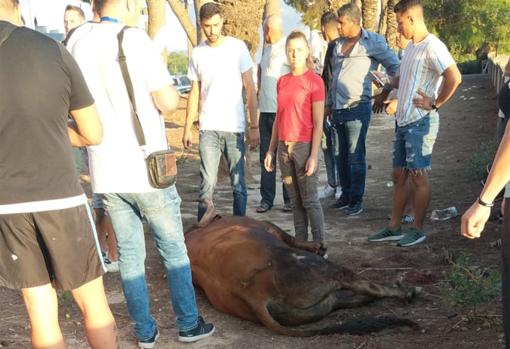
(149, 343)
(341, 203)
(201, 331)
(354, 209)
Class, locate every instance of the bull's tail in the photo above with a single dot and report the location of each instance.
(356, 327)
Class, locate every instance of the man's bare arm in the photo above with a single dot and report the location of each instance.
(452, 80)
(251, 98)
(85, 128)
(191, 112)
(166, 99)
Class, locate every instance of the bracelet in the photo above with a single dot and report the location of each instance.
(485, 204)
(254, 128)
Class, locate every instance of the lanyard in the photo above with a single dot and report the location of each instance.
(110, 19)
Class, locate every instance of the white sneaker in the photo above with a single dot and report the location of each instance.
(326, 192)
(338, 192)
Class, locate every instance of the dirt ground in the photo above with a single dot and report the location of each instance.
(467, 121)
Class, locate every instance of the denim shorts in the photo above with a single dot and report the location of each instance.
(413, 143)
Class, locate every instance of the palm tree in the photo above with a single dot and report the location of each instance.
(369, 10)
(391, 30)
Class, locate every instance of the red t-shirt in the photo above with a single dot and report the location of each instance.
(296, 94)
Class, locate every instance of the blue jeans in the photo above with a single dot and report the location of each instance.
(231, 145)
(413, 143)
(268, 179)
(162, 211)
(329, 145)
(352, 127)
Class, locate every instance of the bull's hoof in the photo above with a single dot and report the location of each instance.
(322, 250)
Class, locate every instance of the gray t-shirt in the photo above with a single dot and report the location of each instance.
(39, 84)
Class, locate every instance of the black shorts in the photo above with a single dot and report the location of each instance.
(57, 246)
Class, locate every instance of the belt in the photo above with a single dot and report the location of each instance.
(351, 105)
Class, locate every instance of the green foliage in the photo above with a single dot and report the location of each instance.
(482, 157)
(311, 11)
(177, 63)
(468, 63)
(466, 25)
(470, 284)
(65, 298)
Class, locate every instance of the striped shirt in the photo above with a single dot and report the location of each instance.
(421, 69)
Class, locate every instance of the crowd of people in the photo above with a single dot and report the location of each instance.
(80, 96)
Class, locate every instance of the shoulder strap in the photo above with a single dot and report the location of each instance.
(129, 87)
(6, 32)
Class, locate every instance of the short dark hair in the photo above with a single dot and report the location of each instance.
(328, 17)
(405, 5)
(208, 10)
(75, 9)
(350, 10)
(99, 5)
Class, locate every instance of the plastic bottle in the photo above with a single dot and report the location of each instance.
(443, 215)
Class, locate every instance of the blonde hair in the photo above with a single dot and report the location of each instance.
(297, 34)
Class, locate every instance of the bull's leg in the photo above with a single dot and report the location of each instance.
(368, 288)
(289, 315)
(313, 247)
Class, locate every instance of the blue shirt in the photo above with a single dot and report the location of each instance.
(351, 80)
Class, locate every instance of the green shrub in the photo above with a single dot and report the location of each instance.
(470, 284)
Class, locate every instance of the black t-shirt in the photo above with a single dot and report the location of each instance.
(39, 84)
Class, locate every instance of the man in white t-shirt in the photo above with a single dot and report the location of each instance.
(425, 65)
(273, 64)
(118, 168)
(219, 68)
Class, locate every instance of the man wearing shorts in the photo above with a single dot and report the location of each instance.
(425, 65)
(46, 232)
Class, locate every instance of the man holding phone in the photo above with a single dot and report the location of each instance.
(355, 55)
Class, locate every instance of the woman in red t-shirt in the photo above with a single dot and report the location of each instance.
(297, 133)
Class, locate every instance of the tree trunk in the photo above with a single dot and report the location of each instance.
(271, 8)
(183, 17)
(369, 13)
(243, 19)
(383, 18)
(157, 20)
(334, 5)
(391, 31)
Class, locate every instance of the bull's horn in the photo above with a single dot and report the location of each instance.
(209, 213)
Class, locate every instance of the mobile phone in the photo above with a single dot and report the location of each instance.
(376, 79)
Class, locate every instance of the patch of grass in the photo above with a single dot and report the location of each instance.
(480, 158)
(470, 285)
(65, 298)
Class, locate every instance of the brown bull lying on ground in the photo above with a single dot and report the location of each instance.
(256, 271)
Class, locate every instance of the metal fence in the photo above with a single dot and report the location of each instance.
(495, 68)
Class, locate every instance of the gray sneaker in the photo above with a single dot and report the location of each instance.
(387, 235)
(412, 237)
